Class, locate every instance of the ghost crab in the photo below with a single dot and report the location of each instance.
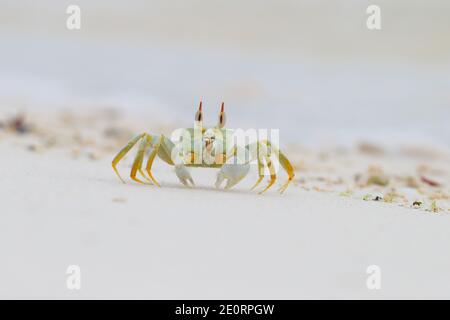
(206, 148)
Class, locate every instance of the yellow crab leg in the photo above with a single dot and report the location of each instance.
(123, 152)
(147, 142)
(152, 157)
(273, 176)
(260, 174)
(289, 169)
(137, 164)
(260, 169)
(287, 166)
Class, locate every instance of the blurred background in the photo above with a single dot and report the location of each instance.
(308, 67)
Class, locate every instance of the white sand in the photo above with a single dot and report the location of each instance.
(135, 241)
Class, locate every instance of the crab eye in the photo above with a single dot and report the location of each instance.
(199, 114)
(222, 116)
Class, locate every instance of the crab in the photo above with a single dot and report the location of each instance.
(206, 148)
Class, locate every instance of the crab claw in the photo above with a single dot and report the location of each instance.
(184, 175)
(233, 173)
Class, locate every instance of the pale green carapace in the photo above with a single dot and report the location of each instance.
(205, 148)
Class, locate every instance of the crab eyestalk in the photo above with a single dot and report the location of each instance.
(199, 116)
(222, 118)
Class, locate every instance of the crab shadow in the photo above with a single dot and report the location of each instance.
(206, 188)
(177, 186)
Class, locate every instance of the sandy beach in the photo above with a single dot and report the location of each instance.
(63, 205)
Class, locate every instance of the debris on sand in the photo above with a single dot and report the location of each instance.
(370, 197)
(417, 204)
(430, 182)
(35, 148)
(422, 152)
(411, 182)
(434, 207)
(346, 193)
(370, 149)
(440, 195)
(93, 155)
(390, 196)
(379, 180)
(115, 132)
(373, 176)
(18, 125)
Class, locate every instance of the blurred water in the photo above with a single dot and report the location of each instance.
(313, 97)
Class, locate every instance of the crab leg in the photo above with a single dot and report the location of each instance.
(183, 175)
(287, 166)
(289, 169)
(260, 173)
(273, 176)
(152, 157)
(123, 152)
(137, 164)
(260, 169)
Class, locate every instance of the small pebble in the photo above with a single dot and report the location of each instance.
(120, 200)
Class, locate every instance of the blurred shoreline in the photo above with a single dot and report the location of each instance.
(308, 68)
